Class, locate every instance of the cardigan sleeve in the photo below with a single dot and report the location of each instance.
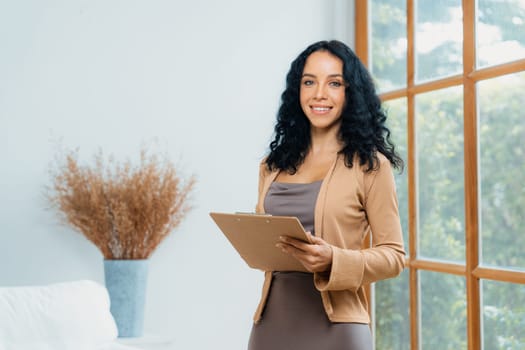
(263, 173)
(385, 258)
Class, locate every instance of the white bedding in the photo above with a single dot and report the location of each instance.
(51, 345)
(62, 316)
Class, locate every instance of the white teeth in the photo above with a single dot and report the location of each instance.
(321, 109)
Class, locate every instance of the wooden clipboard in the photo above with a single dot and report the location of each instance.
(254, 237)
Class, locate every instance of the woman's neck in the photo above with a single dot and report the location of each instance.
(325, 141)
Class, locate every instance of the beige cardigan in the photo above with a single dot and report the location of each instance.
(350, 204)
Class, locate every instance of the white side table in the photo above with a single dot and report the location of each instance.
(148, 342)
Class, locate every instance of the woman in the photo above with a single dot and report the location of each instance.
(330, 165)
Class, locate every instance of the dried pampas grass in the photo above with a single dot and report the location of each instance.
(125, 211)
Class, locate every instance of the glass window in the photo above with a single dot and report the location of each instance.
(443, 311)
(503, 315)
(444, 111)
(439, 146)
(392, 322)
(438, 39)
(500, 31)
(388, 59)
(502, 170)
(397, 123)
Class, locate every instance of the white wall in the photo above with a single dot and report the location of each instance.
(201, 77)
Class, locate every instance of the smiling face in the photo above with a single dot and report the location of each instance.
(322, 91)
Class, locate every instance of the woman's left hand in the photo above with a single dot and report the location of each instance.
(315, 256)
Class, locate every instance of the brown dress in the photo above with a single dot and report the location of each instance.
(294, 317)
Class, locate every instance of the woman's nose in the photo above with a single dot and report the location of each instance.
(320, 92)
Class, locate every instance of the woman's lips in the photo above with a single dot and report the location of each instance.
(320, 109)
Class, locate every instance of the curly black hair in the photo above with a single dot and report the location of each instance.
(363, 131)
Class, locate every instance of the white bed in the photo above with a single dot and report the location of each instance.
(62, 316)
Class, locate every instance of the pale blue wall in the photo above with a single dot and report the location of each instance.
(201, 77)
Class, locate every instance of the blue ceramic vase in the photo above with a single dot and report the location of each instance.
(126, 283)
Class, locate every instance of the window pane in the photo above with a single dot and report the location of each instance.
(397, 123)
(443, 311)
(502, 170)
(392, 321)
(438, 39)
(388, 43)
(500, 31)
(503, 315)
(439, 145)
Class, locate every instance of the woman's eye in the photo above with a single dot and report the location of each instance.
(308, 82)
(336, 83)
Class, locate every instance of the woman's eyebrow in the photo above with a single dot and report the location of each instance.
(330, 75)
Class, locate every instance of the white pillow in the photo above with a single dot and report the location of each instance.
(69, 345)
(63, 312)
